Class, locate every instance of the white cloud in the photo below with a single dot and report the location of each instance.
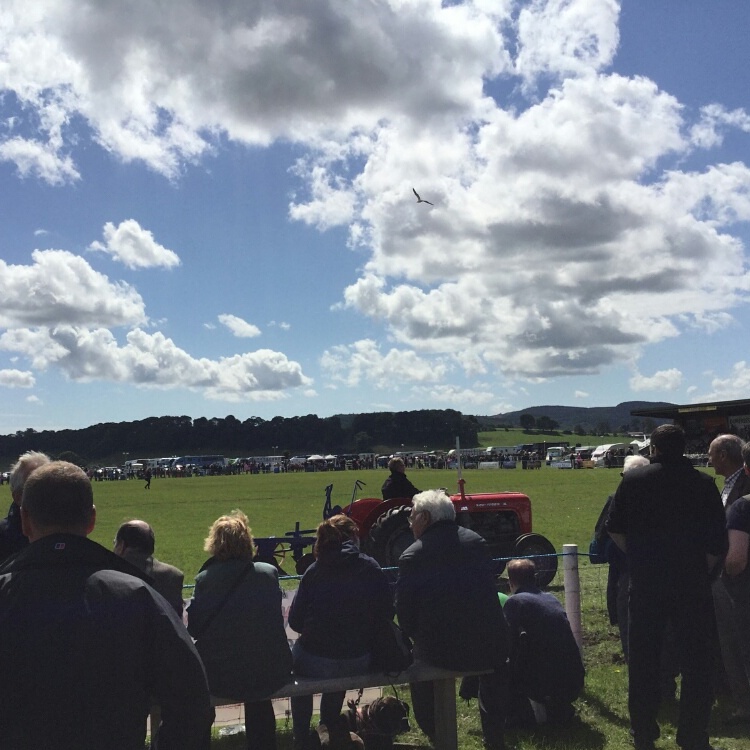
(62, 288)
(567, 235)
(566, 37)
(41, 160)
(363, 362)
(134, 246)
(477, 397)
(733, 386)
(663, 380)
(152, 360)
(239, 327)
(33, 400)
(581, 394)
(157, 85)
(17, 379)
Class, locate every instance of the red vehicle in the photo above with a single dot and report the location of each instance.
(503, 519)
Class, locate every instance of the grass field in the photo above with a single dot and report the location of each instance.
(565, 507)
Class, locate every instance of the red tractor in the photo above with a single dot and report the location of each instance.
(503, 519)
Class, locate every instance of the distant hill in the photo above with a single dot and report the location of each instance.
(589, 417)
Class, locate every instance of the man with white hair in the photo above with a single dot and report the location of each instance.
(726, 452)
(446, 601)
(12, 539)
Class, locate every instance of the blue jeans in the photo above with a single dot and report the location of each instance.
(309, 665)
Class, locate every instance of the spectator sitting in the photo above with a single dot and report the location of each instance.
(446, 601)
(397, 485)
(545, 663)
(11, 536)
(343, 600)
(134, 541)
(85, 641)
(236, 619)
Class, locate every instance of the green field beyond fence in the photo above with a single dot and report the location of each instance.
(565, 506)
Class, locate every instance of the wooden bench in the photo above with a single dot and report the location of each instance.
(446, 731)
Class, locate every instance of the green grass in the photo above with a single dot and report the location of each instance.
(565, 506)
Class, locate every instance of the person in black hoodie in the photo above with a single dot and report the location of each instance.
(342, 601)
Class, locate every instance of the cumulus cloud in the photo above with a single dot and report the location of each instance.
(729, 388)
(62, 288)
(581, 394)
(17, 379)
(567, 234)
(153, 360)
(663, 380)
(363, 362)
(239, 327)
(134, 246)
(168, 77)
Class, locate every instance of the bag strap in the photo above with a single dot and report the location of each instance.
(235, 585)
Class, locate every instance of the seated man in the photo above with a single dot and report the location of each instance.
(546, 670)
(87, 641)
(397, 485)
(135, 542)
(446, 601)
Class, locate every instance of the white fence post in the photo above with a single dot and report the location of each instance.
(572, 584)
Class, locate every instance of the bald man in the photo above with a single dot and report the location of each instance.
(135, 541)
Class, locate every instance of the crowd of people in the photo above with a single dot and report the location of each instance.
(96, 640)
(679, 583)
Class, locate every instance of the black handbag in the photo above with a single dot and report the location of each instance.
(392, 649)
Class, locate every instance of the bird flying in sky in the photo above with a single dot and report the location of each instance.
(419, 200)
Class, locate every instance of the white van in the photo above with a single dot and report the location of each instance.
(601, 451)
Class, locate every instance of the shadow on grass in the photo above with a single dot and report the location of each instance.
(603, 710)
(576, 734)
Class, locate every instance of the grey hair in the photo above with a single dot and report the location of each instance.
(21, 469)
(633, 462)
(436, 503)
(731, 444)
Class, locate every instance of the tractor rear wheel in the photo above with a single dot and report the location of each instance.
(390, 535)
(530, 545)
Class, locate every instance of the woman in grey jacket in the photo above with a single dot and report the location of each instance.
(236, 618)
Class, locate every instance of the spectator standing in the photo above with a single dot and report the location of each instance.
(397, 484)
(618, 579)
(446, 601)
(736, 579)
(135, 541)
(545, 663)
(12, 539)
(236, 619)
(147, 476)
(87, 641)
(668, 519)
(725, 453)
(343, 601)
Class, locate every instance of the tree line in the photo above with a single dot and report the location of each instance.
(379, 432)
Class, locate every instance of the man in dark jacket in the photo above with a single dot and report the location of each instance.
(668, 519)
(546, 669)
(446, 601)
(397, 485)
(135, 541)
(12, 539)
(86, 641)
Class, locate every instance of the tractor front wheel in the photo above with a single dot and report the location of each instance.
(541, 550)
(390, 535)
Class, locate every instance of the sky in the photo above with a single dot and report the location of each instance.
(207, 208)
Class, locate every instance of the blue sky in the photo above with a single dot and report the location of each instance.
(207, 208)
